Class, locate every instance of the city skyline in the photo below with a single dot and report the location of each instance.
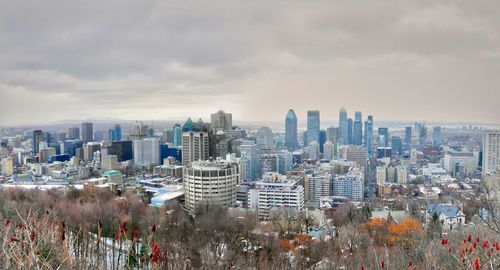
(417, 61)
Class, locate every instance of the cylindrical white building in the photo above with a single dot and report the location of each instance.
(210, 181)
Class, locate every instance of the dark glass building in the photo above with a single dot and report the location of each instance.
(313, 125)
(291, 141)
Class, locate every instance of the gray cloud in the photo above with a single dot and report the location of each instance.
(422, 60)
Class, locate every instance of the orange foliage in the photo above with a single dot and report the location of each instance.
(294, 244)
(407, 231)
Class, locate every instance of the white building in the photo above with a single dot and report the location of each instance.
(211, 182)
(381, 174)
(329, 150)
(109, 162)
(317, 186)
(195, 146)
(350, 185)
(147, 151)
(450, 216)
(460, 162)
(313, 150)
(491, 151)
(279, 192)
(402, 175)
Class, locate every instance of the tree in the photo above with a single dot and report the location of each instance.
(434, 229)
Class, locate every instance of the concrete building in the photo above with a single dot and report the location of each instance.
(317, 186)
(250, 157)
(109, 162)
(146, 151)
(329, 151)
(313, 150)
(276, 191)
(195, 147)
(89, 149)
(221, 121)
(460, 162)
(8, 166)
(210, 182)
(87, 132)
(350, 185)
(491, 151)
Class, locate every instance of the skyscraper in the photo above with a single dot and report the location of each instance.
(357, 138)
(250, 157)
(177, 130)
(383, 137)
(408, 137)
(221, 121)
(322, 139)
(491, 151)
(343, 127)
(118, 132)
(422, 136)
(291, 141)
(436, 136)
(313, 150)
(313, 124)
(265, 138)
(369, 135)
(397, 145)
(147, 151)
(195, 146)
(87, 132)
(349, 130)
(38, 137)
(73, 133)
(329, 151)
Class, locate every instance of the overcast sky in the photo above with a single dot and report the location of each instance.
(398, 60)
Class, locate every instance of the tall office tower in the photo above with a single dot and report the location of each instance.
(73, 133)
(194, 147)
(357, 154)
(397, 145)
(313, 150)
(122, 149)
(118, 132)
(38, 137)
(111, 135)
(177, 130)
(284, 162)
(422, 136)
(291, 140)
(210, 182)
(189, 126)
(147, 151)
(221, 121)
(317, 185)
(491, 151)
(89, 149)
(313, 125)
(408, 137)
(369, 135)
(332, 134)
(329, 151)
(349, 130)
(265, 138)
(87, 132)
(322, 139)
(436, 136)
(279, 192)
(383, 137)
(343, 127)
(357, 137)
(250, 157)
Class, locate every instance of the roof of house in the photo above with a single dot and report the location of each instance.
(448, 210)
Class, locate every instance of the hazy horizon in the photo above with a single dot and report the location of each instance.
(410, 60)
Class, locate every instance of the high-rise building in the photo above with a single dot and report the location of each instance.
(195, 146)
(265, 138)
(8, 166)
(69, 147)
(349, 130)
(329, 150)
(109, 162)
(122, 149)
(210, 182)
(422, 136)
(357, 137)
(87, 132)
(332, 134)
(89, 149)
(221, 121)
(383, 137)
(350, 185)
(491, 151)
(284, 162)
(397, 145)
(38, 137)
(147, 151)
(275, 191)
(313, 126)
(317, 185)
(313, 150)
(73, 133)
(343, 127)
(177, 130)
(117, 132)
(356, 154)
(250, 158)
(291, 140)
(369, 135)
(408, 137)
(436, 136)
